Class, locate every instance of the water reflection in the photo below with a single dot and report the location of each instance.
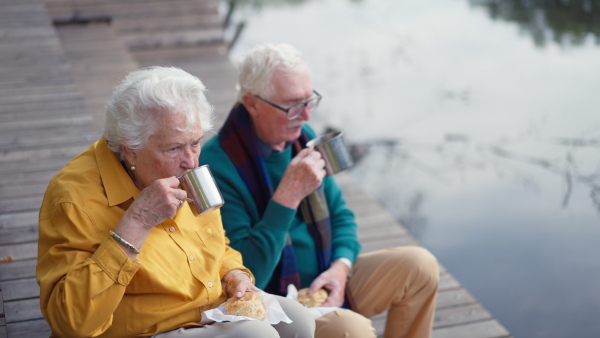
(457, 153)
(565, 22)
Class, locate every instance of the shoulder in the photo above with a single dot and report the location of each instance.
(220, 164)
(212, 152)
(75, 183)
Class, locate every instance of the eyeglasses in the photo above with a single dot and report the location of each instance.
(297, 109)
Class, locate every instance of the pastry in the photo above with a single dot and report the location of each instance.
(314, 299)
(250, 305)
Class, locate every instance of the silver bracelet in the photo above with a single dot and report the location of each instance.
(124, 242)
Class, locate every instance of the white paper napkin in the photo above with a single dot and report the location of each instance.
(275, 313)
(316, 312)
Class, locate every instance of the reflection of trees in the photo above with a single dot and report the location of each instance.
(459, 155)
(563, 21)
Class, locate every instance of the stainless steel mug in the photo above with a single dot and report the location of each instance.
(203, 194)
(334, 151)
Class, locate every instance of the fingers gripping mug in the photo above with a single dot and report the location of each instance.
(203, 194)
(334, 151)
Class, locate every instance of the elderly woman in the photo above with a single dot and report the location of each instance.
(120, 251)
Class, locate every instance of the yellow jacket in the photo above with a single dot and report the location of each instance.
(88, 285)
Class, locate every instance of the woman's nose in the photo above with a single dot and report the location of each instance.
(190, 159)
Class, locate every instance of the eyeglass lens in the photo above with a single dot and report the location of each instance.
(296, 110)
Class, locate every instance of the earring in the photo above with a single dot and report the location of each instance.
(132, 168)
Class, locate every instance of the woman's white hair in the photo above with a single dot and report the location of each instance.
(133, 112)
(259, 64)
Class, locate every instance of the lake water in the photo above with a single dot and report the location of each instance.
(482, 127)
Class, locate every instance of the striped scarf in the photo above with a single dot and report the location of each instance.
(239, 141)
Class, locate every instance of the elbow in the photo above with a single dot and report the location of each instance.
(73, 324)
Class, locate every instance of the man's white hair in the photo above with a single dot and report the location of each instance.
(259, 64)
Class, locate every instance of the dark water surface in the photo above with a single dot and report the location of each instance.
(482, 125)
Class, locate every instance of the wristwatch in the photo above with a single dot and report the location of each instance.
(346, 262)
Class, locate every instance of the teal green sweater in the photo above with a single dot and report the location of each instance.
(261, 239)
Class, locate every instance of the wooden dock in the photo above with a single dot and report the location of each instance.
(60, 60)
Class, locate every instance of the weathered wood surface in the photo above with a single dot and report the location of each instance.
(42, 125)
(54, 81)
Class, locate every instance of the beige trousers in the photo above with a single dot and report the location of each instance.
(401, 280)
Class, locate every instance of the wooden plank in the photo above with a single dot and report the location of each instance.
(131, 9)
(447, 282)
(37, 328)
(3, 331)
(212, 54)
(486, 329)
(70, 126)
(17, 269)
(29, 189)
(184, 21)
(15, 236)
(372, 234)
(30, 33)
(460, 315)
(453, 298)
(389, 243)
(42, 107)
(18, 220)
(36, 90)
(20, 289)
(29, 168)
(2, 315)
(21, 204)
(27, 141)
(19, 251)
(42, 154)
(40, 98)
(179, 38)
(21, 310)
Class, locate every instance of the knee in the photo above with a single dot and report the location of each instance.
(303, 323)
(344, 323)
(256, 329)
(420, 262)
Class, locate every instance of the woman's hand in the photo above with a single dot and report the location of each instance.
(157, 202)
(236, 283)
(154, 205)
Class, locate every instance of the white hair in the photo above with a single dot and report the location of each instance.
(146, 94)
(259, 64)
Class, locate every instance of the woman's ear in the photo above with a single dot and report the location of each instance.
(249, 102)
(129, 155)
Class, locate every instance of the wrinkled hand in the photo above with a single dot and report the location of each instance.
(157, 202)
(154, 205)
(334, 281)
(303, 176)
(237, 285)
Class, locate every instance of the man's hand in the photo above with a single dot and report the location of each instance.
(303, 176)
(334, 280)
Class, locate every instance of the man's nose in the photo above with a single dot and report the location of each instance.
(305, 115)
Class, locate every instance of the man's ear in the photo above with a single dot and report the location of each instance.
(249, 102)
(129, 155)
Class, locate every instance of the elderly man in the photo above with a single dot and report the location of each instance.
(291, 223)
